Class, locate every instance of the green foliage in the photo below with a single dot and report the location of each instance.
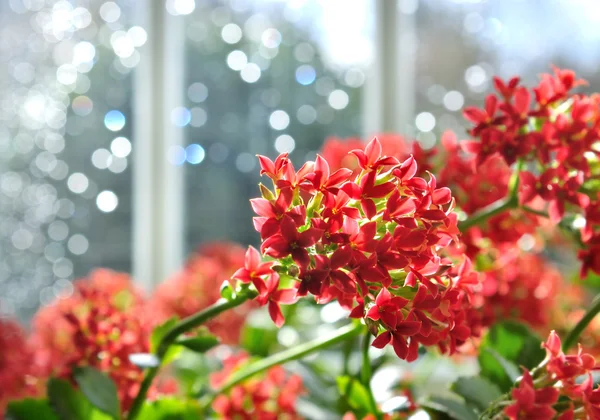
(29, 409)
(155, 339)
(452, 407)
(159, 332)
(170, 409)
(199, 344)
(99, 389)
(70, 404)
(356, 395)
(227, 291)
(507, 346)
(477, 391)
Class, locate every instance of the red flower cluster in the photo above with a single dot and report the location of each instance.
(18, 378)
(99, 326)
(197, 286)
(559, 136)
(519, 286)
(336, 152)
(557, 378)
(270, 397)
(371, 240)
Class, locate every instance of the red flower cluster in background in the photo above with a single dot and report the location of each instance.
(271, 396)
(99, 326)
(370, 239)
(539, 398)
(556, 134)
(520, 286)
(18, 377)
(197, 286)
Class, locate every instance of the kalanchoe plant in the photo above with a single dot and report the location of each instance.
(431, 254)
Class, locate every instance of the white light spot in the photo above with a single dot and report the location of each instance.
(101, 158)
(338, 99)
(279, 120)
(453, 100)
(237, 60)
(176, 155)
(425, 121)
(197, 92)
(250, 73)
(181, 116)
(199, 117)
(110, 12)
(83, 52)
(306, 114)
(285, 144)
(117, 165)
(245, 162)
(180, 7)
(78, 183)
(475, 76)
(120, 147)
(58, 230)
(66, 74)
(78, 244)
(107, 201)
(137, 35)
(271, 38)
(231, 33)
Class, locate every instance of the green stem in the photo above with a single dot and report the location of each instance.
(293, 353)
(366, 371)
(540, 213)
(366, 362)
(178, 329)
(487, 212)
(574, 334)
(510, 202)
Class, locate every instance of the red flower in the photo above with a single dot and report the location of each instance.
(530, 403)
(273, 296)
(291, 242)
(253, 270)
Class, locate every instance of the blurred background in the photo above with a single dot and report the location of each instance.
(128, 129)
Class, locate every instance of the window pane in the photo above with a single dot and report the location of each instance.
(65, 139)
(264, 77)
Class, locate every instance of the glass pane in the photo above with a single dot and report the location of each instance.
(65, 127)
(264, 77)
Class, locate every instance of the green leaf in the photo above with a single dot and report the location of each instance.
(477, 391)
(30, 408)
(99, 389)
(199, 344)
(356, 395)
(170, 409)
(454, 408)
(159, 332)
(70, 404)
(505, 348)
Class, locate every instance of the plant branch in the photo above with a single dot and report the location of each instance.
(293, 353)
(178, 329)
(366, 371)
(574, 334)
(487, 212)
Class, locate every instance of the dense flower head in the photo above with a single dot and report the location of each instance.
(563, 376)
(197, 286)
(556, 135)
(519, 286)
(270, 396)
(18, 377)
(373, 240)
(100, 325)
